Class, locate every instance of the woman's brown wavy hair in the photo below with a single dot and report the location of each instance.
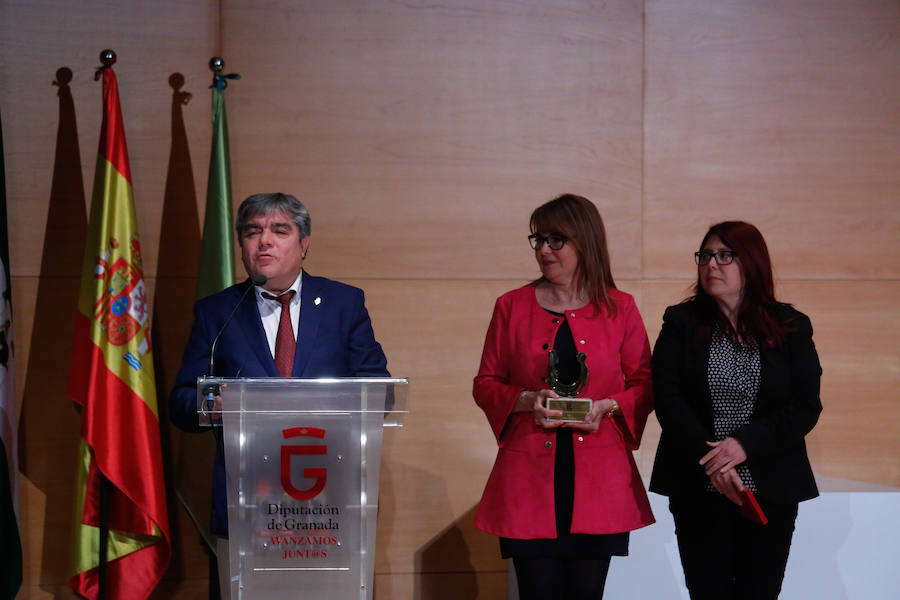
(578, 219)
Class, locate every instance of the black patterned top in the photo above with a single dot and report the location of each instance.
(733, 375)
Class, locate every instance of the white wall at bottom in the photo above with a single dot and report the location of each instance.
(845, 547)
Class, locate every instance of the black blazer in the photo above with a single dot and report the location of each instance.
(787, 408)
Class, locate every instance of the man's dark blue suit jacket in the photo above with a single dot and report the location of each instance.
(335, 340)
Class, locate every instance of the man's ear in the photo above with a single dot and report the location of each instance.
(304, 245)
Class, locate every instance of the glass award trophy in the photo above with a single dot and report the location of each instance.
(574, 409)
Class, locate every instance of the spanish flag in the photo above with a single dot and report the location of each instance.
(112, 379)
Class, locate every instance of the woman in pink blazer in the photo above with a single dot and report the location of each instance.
(563, 496)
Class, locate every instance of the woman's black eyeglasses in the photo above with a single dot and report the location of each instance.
(554, 240)
(723, 257)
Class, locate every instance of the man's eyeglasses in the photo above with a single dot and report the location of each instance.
(554, 240)
(723, 257)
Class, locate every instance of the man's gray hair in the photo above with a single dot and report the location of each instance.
(264, 204)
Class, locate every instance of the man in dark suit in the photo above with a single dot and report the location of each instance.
(290, 324)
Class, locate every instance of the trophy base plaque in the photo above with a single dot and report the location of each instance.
(574, 410)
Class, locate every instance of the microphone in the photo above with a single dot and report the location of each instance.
(211, 391)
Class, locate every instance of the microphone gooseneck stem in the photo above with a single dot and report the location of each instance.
(212, 391)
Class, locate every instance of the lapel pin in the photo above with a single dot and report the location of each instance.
(317, 301)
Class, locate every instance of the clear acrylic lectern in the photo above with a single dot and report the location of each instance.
(302, 458)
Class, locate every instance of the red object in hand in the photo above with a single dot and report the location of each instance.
(750, 508)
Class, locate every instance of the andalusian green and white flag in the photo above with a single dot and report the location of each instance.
(216, 273)
(217, 255)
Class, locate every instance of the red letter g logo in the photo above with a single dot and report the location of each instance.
(319, 474)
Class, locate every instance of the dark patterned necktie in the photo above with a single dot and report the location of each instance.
(285, 342)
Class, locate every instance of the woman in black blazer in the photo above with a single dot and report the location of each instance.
(736, 382)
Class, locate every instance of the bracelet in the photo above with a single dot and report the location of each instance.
(615, 408)
(520, 398)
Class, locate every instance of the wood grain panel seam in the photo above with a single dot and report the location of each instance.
(782, 280)
(643, 127)
(501, 571)
(29, 276)
(220, 31)
(458, 279)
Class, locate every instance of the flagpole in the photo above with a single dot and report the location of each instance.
(108, 59)
(103, 509)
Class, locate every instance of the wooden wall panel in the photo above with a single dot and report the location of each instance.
(421, 136)
(151, 45)
(653, 299)
(435, 467)
(51, 110)
(782, 114)
(855, 327)
(482, 585)
(424, 134)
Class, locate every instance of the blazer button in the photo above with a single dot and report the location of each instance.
(545, 346)
(548, 444)
(555, 321)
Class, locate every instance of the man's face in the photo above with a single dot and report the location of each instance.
(271, 246)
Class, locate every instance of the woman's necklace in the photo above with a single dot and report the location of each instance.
(553, 301)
